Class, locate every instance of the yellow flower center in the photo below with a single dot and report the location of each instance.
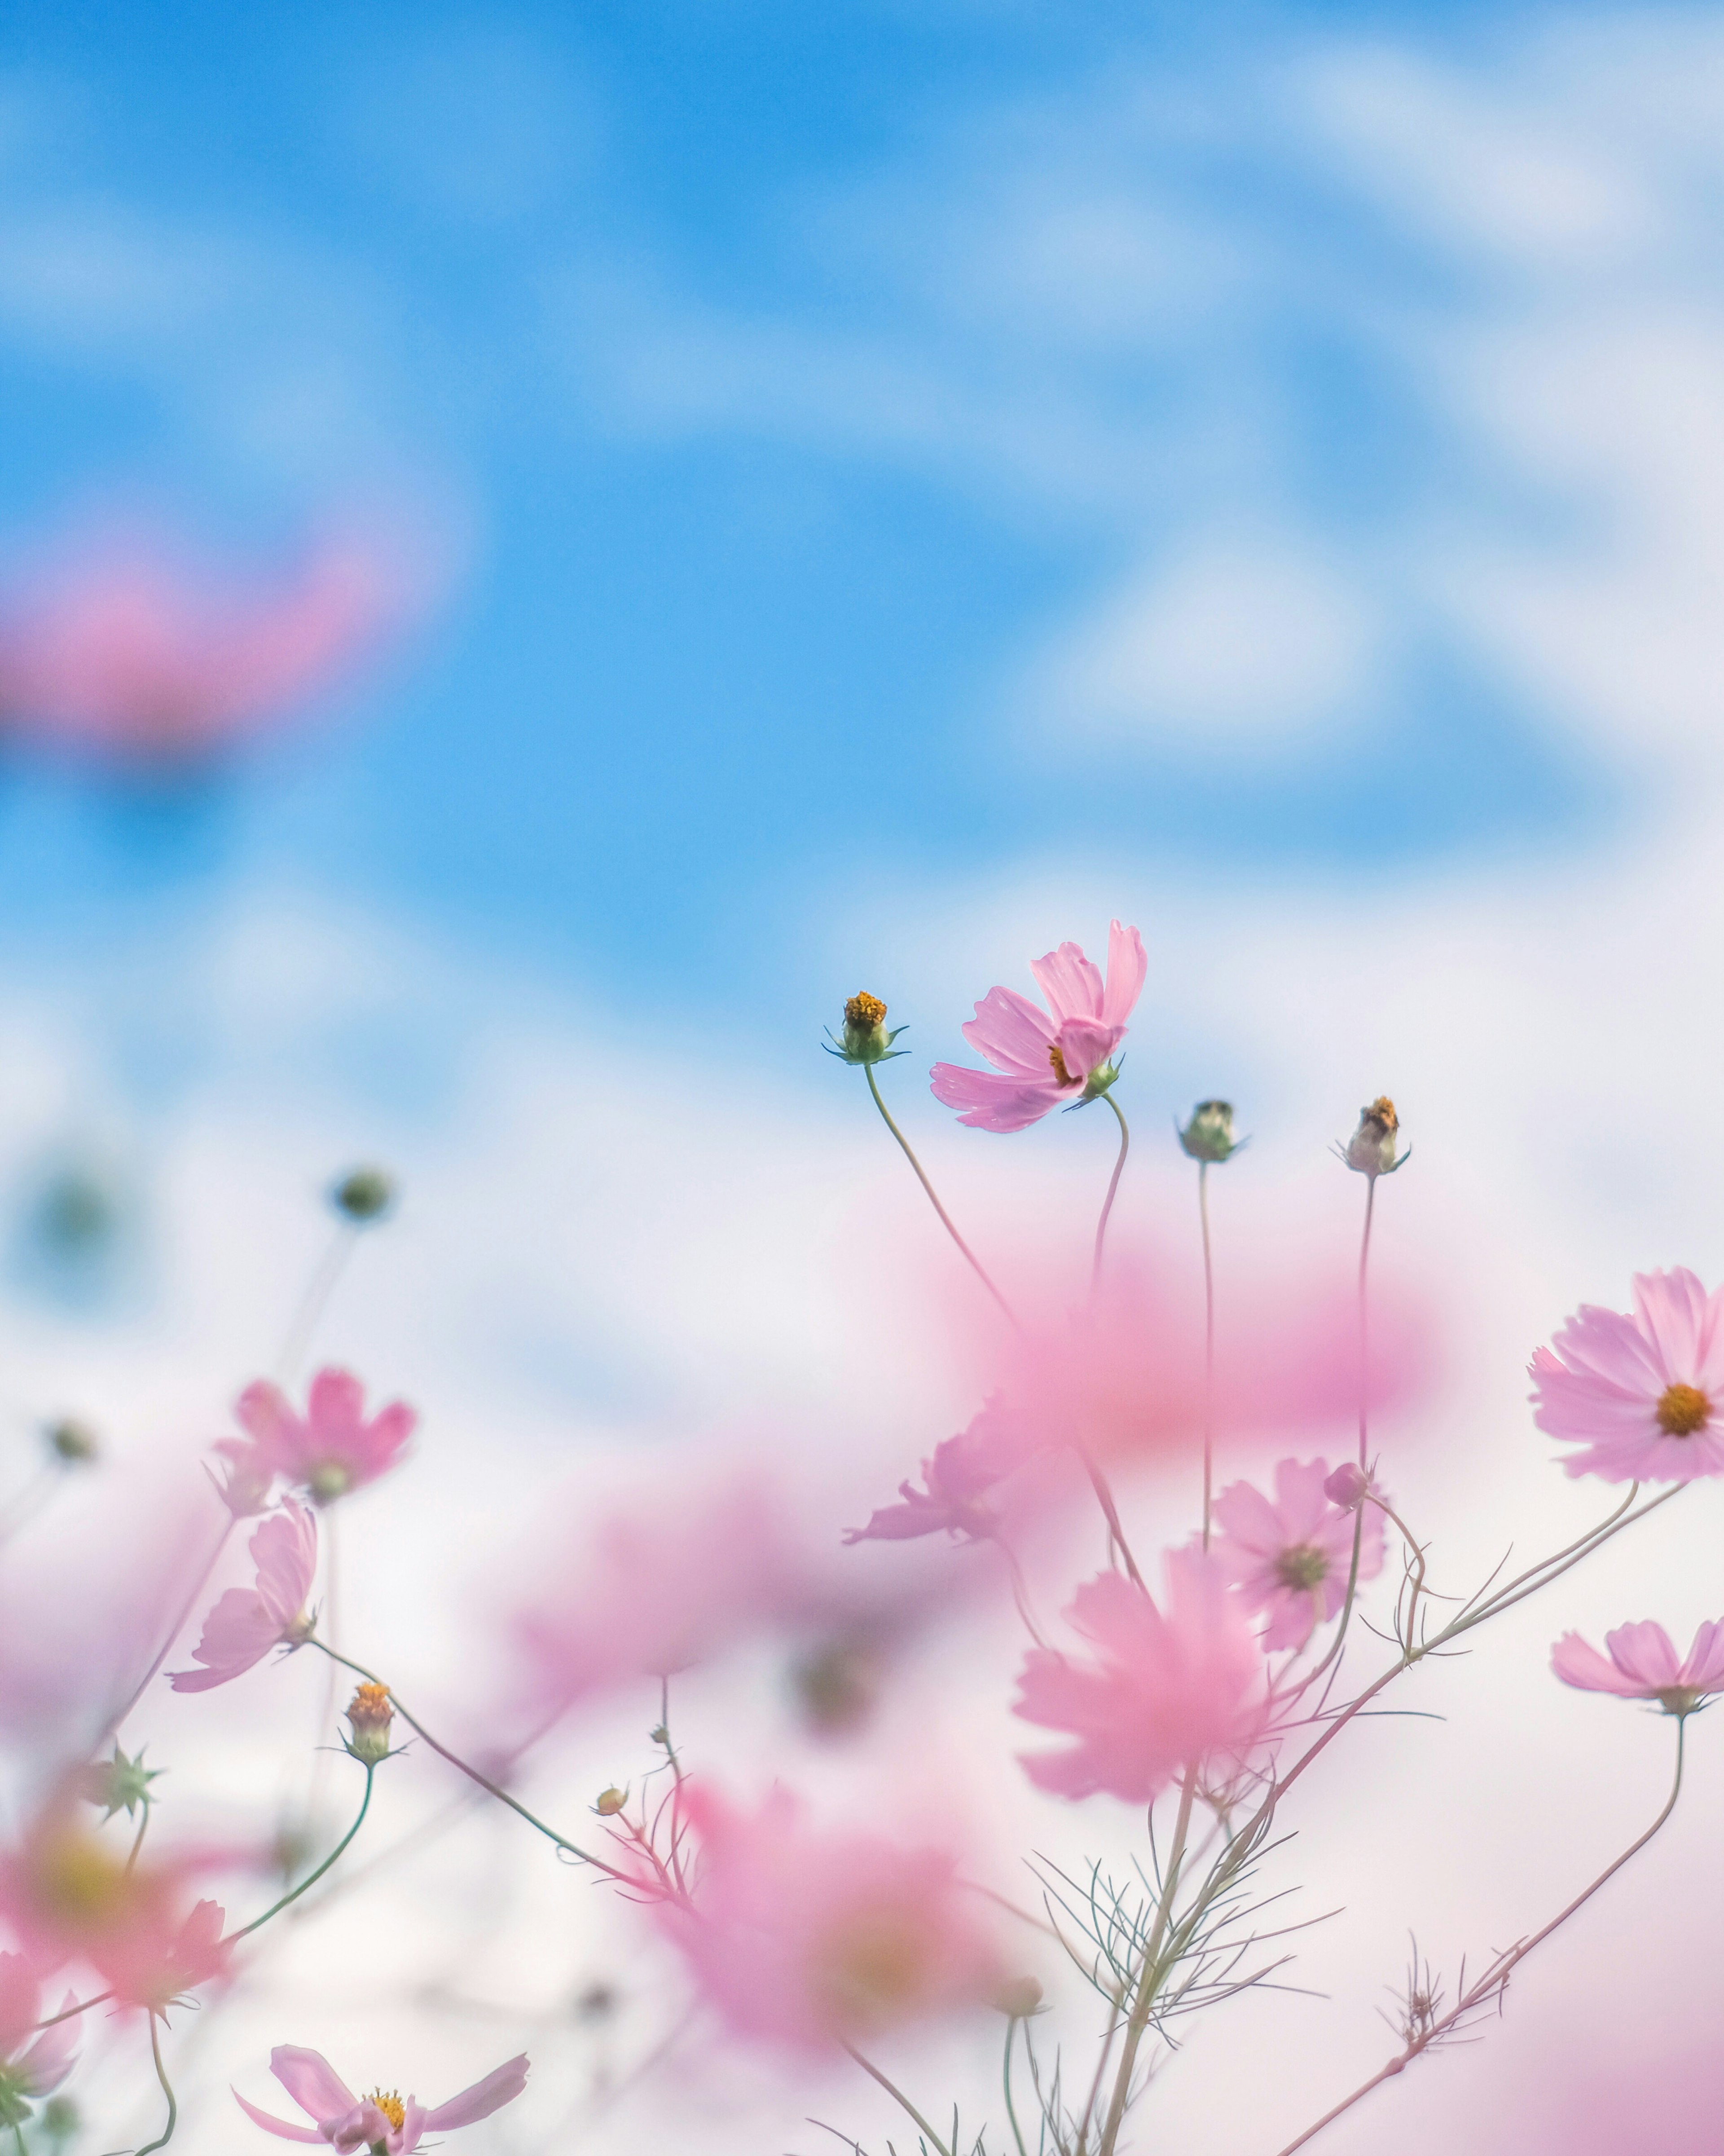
(1058, 1061)
(79, 1881)
(864, 1009)
(1682, 1409)
(1302, 1569)
(875, 1967)
(370, 1708)
(391, 2105)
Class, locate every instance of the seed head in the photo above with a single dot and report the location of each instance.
(865, 1038)
(363, 1195)
(1370, 1149)
(369, 1715)
(1208, 1136)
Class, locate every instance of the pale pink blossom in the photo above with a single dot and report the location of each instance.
(1168, 1687)
(959, 1481)
(246, 1623)
(29, 2069)
(392, 2124)
(1347, 1486)
(1043, 1062)
(127, 654)
(1643, 1665)
(813, 1937)
(1293, 1558)
(1643, 1395)
(330, 1449)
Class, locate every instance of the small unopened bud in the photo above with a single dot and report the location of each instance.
(1208, 1136)
(1347, 1486)
(1370, 1149)
(59, 2117)
(865, 1038)
(1018, 1998)
(74, 1442)
(369, 1715)
(661, 1735)
(363, 1195)
(610, 1802)
(118, 1784)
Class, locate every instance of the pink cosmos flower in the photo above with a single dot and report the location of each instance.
(332, 1448)
(812, 1937)
(1292, 1558)
(1042, 1062)
(30, 2070)
(1644, 1394)
(375, 2122)
(1169, 1686)
(131, 656)
(247, 1622)
(958, 1479)
(1643, 1665)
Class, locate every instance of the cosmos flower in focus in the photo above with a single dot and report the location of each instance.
(1168, 1687)
(330, 1449)
(1042, 1062)
(1643, 1665)
(813, 1938)
(392, 2124)
(1292, 1558)
(29, 2069)
(247, 1622)
(1641, 1393)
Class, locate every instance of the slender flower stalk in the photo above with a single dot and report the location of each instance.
(946, 1219)
(166, 2135)
(1149, 1975)
(1118, 1168)
(898, 2097)
(116, 1720)
(1365, 1324)
(1208, 1349)
(311, 1878)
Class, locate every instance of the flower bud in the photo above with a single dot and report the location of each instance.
(74, 1442)
(59, 2117)
(1347, 1486)
(118, 1784)
(1370, 1149)
(369, 1715)
(1018, 1998)
(610, 1802)
(363, 1195)
(1208, 1136)
(865, 1039)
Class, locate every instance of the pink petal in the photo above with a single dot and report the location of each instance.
(262, 1412)
(48, 2061)
(237, 1633)
(1581, 1666)
(498, 2088)
(1704, 1668)
(284, 1550)
(311, 2081)
(989, 1100)
(1644, 1653)
(336, 1405)
(20, 1993)
(1126, 967)
(277, 2126)
(1672, 1309)
(1071, 983)
(1085, 1044)
(1012, 1033)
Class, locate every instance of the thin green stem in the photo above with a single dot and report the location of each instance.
(1119, 1169)
(71, 2012)
(166, 2135)
(898, 2096)
(1011, 2109)
(1149, 1975)
(1408, 1640)
(311, 1878)
(1365, 1319)
(1208, 1347)
(1111, 1513)
(137, 1840)
(315, 1299)
(945, 1219)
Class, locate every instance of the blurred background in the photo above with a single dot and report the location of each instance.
(541, 548)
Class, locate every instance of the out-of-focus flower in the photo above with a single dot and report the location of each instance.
(1347, 1486)
(390, 2123)
(247, 1477)
(247, 1622)
(369, 1717)
(127, 655)
(73, 1443)
(364, 1195)
(1370, 1149)
(1638, 1392)
(1208, 1136)
(29, 2069)
(958, 1479)
(68, 1898)
(1643, 1665)
(1042, 1062)
(1017, 1998)
(1292, 1558)
(1169, 1686)
(812, 1937)
(330, 1449)
(118, 1784)
(865, 1038)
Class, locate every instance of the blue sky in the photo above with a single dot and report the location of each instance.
(708, 333)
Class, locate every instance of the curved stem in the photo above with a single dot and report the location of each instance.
(315, 1300)
(897, 2094)
(1365, 1318)
(1208, 1347)
(1490, 1984)
(1011, 2110)
(946, 1220)
(186, 1607)
(1149, 1975)
(1111, 1513)
(1118, 1168)
(1417, 1574)
(311, 1878)
(137, 1840)
(166, 2135)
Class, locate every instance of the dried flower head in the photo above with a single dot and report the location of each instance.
(865, 1038)
(1370, 1149)
(610, 1802)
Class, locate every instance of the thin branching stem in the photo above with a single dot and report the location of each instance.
(946, 1219)
(1150, 1973)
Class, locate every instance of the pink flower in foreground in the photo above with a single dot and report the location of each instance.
(1043, 1062)
(247, 1622)
(375, 2122)
(131, 656)
(1292, 1558)
(330, 1449)
(1644, 1394)
(1169, 1686)
(958, 1481)
(1643, 1665)
(814, 1937)
(29, 2069)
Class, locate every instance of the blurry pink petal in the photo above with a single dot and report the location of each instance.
(988, 1100)
(1643, 1665)
(31, 2069)
(246, 1623)
(279, 2127)
(1581, 1664)
(499, 2087)
(1126, 968)
(332, 1448)
(1293, 1558)
(958, 1478)
(311, 2081)
(1643, 1395)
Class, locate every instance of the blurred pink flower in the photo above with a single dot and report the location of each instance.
(1292, 1558)
(1041, 1062)
(1643, 1665)
(131, 656)
(958, 1481)
(1170, 1686)
(376, 2122)
(813, 1938)
(247, 1476)
(332, 1448)
(247, 1622)
(30, 2070)
(1640, 1393)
